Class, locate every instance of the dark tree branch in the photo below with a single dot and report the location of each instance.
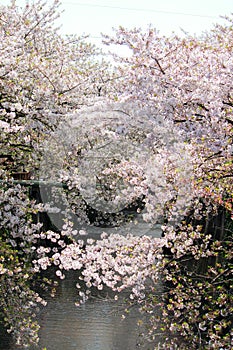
(159, 65)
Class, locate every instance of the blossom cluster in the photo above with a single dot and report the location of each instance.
(156, 130)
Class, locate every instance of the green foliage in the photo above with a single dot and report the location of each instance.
(197, 301)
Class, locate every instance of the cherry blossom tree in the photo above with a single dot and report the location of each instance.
(185, 82)
(188, 81)
(182, 85)
(160, 133)
(43, 76)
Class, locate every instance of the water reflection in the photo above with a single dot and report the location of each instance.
(96, 325)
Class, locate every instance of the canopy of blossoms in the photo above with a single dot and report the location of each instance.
(154, 132)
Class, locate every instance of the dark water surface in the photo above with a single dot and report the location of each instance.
(95, 325)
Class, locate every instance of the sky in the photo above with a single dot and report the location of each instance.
(96, 16)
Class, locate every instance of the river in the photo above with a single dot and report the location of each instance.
(95, 325)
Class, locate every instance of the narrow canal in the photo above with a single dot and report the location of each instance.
(95, 325)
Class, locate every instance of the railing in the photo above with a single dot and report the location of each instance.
(38, 183)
